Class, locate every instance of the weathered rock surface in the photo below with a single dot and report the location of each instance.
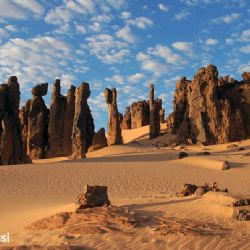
(11, 145)
(114, 128)
(99, 141)
(83, 125)
(139, 114)
(34, 120)
(126, 121)
(210, 110)
(154, 118)
(68, 121)
(93, 196)
(246, 76)
(56, 121)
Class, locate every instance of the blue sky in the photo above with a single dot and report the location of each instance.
(121, 43)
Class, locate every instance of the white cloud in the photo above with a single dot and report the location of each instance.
(163, 7)
(229, 41)
(96, 27)
(10, 10)
(35, 60)
(80, 29)
(135, 78)
(141, 22)
(125, 15)
(211, 42)
(116, 78)
(148, 64)
(126, 34)
(245, 49)
(245, 36)
(165, 53)
(31, 5)
(11, 28)
(183, 46)
(227, 18)
(59, 15)
(182, 15)
(107, 49)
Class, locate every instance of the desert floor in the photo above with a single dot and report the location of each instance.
(142, 176)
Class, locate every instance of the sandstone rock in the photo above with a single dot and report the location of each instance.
(93, 196)
(210, 110)
(99, 141)
(40, 90)
(114, 128)
(56, 121)
(68, 121)
(83, 125)
(154, 121)
(139, 114)
(11, 146)
(246, 76)
(225, 165)
(126, 121)
(243, 215)
(187, 190)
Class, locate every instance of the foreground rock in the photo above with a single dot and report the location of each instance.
(99, 141)
(190, 189)
(11, 144)
(114, 128)
(211, 110)
(83, 125)
(93, 196)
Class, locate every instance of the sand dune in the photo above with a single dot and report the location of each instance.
(141, 177)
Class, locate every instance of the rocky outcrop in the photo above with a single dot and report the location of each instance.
(246, 76)
(154, 121)
(68, 121)
(139, 114)
(211, 110)
(114, 128)
(126, 121)
(11, 146)
(34, 119)
(56, 121)
(83, 125)
(99, 141)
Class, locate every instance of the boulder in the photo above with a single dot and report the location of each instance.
(93, 196)
(40, 89)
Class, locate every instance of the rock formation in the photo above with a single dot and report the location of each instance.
(56, 121)
(99, 141)
(154, 121)
(126, 121)
(139, 114)
(83, 125)
(211, 110)
(34, 119)
(68, 121)
(11, 146)
(114, 128)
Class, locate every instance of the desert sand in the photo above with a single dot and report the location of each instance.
(142, 176)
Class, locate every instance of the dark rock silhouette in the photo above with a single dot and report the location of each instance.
(99, 141)
(68, 121)
(126, 121)
(211, 110)
(154, 121)
(114, 128)
(11, 146)
(34, 120)
(83, 125)
(56, 121)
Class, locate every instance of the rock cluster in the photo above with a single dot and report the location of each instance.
(211, 110)
(114, 118)
(93, 196)
(11, 145)
(190, 189)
